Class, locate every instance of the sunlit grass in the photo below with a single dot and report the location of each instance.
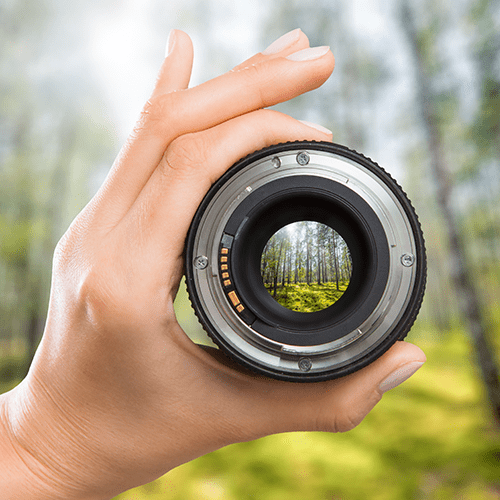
(302, 297)
(431, 438)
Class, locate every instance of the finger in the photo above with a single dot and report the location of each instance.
(174, 75)
(171, 115)
(175, 72)
(333, 406)
(192, 164)
(236, 93)
(285, 45)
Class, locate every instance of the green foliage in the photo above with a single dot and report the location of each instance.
(486, 129)
(16, 237)
(14, 241)
(12, 369)
(51, 146)
(429, 438)
(309, 298)
(186, 318)
(13, 356)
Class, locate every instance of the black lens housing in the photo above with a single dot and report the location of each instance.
(275, 187)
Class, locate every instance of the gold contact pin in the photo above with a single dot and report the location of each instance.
(234, 298)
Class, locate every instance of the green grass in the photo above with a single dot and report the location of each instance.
(431, 438)
(309, 298)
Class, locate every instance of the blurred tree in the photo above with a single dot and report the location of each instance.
(483, 170)
(486, 127)
(434, 109)
(345, 102)
(54, 135)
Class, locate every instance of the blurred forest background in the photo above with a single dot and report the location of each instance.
(416, 87)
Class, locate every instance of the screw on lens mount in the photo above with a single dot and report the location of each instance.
(407, 259)
(200, 262)
(303, 158)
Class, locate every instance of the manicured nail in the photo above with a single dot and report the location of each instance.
(317, 127)
(170, 42)
(399, 376)
(282, 42)
(309, 54)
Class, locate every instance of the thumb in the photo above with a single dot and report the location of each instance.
(336, 405)
(357, 394)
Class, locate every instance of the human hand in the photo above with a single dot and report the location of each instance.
(118, 394)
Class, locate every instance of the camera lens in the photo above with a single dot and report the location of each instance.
(305, 261)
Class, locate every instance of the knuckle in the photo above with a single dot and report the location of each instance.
(183, 149)
(186, 153)
(155, 115)
(94, 288)
(106, 303)
(114, 296)
(348, 413)
(348, 422)
(340, 421)
(79, 283)
(68, 249)
(267, 116)
(257, 79)
(62, 252)
(97, 283)
(271, 122)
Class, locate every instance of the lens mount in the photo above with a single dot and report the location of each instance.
(305, 181)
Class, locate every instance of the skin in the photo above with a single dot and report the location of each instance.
(118, 394)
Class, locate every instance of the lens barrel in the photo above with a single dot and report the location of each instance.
(351, 235)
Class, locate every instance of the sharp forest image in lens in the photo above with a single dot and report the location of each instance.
(306, 266)
(305, 261)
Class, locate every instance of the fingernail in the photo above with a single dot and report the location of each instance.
(170, 42)
(282, 42)
(317, 127)
(399, 376)
(309, 54)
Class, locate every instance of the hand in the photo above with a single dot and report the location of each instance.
(117, 394)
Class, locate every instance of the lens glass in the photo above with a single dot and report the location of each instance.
(306, 266)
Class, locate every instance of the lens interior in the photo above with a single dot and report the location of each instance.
(295, 199)
(306, 266)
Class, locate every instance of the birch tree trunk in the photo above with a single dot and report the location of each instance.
(465, 288)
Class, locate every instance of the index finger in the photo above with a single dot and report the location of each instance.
(168, 116)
